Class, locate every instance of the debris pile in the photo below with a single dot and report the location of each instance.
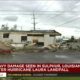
(4, 48)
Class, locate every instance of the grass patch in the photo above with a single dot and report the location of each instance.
(41, 78)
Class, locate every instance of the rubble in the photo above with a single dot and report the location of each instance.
(5, 47)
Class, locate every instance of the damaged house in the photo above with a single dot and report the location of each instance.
(19, 38)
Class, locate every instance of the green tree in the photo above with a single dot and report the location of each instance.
(3, 27)
(72, 38)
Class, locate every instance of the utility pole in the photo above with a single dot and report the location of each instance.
(21, 28)
(34, 22)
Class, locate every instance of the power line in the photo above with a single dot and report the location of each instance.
(36, 11)
(69, 21)
(8, 12)
(40, 0)
(57, 15)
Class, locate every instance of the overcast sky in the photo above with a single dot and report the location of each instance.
(61, 15)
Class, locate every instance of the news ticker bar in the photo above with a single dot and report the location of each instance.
(40, 75)
(40, 68)
(45, 75)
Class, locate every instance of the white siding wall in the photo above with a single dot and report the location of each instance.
(1, 36)
(49, 40)
(53, 40)
(16, 37)
(46, 40)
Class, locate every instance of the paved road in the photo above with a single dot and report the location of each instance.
(55, 57)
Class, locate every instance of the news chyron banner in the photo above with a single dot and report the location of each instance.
(52, 69)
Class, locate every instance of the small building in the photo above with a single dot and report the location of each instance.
(42, 37)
